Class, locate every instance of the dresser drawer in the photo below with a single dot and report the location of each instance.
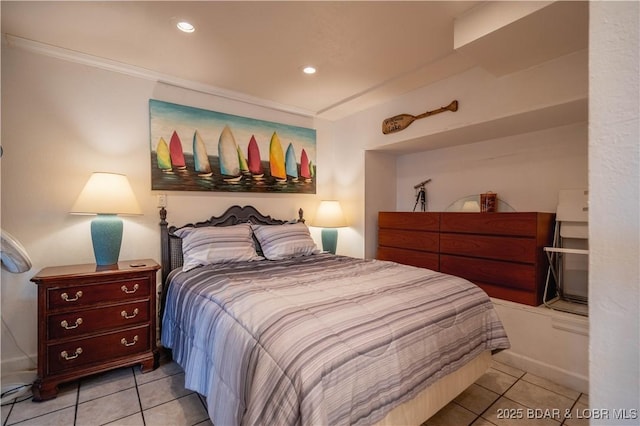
(411, 240)
(83, 352)
(422, 221)
(421, 259)
(511, 249)
(74, 297)
(513, 224)
(95, 320)
(505, 274)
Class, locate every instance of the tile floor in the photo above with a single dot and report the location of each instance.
(508, 396)
(503, 396)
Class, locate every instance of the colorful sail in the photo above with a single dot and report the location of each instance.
(255, 163)
(242, 162)
(163, 156)
(228, 153)
(305, 172)
(290, 162)
(200, 157)
(276, 158)
(177, 155)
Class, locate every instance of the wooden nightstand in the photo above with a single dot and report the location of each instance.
(92, 319)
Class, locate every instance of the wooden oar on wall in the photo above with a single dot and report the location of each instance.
(402, 121)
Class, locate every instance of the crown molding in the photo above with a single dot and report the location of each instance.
(146, 74)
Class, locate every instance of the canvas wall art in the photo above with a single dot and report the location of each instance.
(194, 149)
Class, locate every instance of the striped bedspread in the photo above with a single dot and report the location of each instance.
(322, 339)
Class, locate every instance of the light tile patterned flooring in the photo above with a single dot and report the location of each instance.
(502, 396)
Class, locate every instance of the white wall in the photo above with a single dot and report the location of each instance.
(526, 171)
(614, 208)
(60, 122)
(380, 193)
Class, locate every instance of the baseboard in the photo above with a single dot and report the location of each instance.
(551, 372)
(20, 363)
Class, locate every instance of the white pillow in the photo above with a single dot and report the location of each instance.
(210, 245)
(285, 241)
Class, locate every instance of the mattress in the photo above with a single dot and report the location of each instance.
(322, 339)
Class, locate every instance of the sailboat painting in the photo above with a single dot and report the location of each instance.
(228, 153)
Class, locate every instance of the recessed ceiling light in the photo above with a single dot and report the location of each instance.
(309, 70)
(186, 27)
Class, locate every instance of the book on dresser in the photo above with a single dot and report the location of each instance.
(500, 252)
(92, 319)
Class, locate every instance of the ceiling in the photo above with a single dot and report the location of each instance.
(365, 52)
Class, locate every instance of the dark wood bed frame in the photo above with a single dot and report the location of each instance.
(171, 244)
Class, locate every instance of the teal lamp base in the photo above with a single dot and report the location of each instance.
(329, 239)
(106, 235)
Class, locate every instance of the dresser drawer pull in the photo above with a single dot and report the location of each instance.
(68, 357)
(66, 325)
(124, 341)
(65, 296)
(127, 316)
(126, 290)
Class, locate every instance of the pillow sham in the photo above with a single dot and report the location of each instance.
(285, 241)
(210, 245)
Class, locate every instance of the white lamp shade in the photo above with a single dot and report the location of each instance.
(329, 215)
(107, 193)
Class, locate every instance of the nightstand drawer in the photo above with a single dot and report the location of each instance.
(87, 321)
(91, 350)
(75, 297)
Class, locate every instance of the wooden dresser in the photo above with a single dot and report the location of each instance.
(92, 319)
(500, 252)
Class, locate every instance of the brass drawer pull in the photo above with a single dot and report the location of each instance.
(126, 290)
(127, 316)
(66, 325)
(65, 296)
(124, 341)
(75, 355)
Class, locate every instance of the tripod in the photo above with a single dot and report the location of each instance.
(421, 197)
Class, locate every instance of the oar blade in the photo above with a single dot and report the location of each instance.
(397, 123)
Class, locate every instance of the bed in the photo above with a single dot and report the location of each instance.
(272, 331)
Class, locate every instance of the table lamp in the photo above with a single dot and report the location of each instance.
(329, 217)
(106, 195)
